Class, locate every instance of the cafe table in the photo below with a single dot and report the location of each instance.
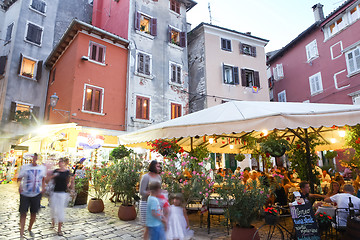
(329, 210)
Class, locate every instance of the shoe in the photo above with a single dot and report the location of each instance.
(22, 237)
(42, 206)
(60, 234)
(31, 233)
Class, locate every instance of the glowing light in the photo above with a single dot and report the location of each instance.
(265, 132)
(211, 140)
(342, 133)
(88, 90)
(231, 146)
(332, 140)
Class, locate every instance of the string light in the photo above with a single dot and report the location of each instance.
(231, 146)
(332, 140)
(211, 140)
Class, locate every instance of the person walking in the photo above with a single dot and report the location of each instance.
(59, 198)
(32, 185)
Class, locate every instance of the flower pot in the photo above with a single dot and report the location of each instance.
(96, 205)
(271, 219)
(240, 233)
(81, 197)
(127, 213)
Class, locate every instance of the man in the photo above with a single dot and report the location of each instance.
(305, 192)
(342, 200)
(325, 177)
(32, 185)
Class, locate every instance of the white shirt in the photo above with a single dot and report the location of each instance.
(342, 200)
(327, 178)
(32, 177)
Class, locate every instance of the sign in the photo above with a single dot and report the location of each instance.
(305, 224)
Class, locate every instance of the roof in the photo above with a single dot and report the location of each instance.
(75, 26)
(309, 30)
(189, 4)
(229, 30)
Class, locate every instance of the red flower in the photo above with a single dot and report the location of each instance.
(297, 146)
(329, 217)
(267, 154)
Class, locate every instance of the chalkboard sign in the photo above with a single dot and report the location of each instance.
(305, 224)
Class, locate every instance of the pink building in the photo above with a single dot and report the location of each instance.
(322, 64)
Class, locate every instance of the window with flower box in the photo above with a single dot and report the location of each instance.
(30, 68)
(247, 50)
(145, 24)
(142, 107)
(177, 37)
(23, 113)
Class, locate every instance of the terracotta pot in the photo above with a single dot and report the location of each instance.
(81, 197)
(96, 205)
(127, 213)
(239, 233)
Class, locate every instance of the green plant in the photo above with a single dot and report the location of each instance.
(80, 183)
(353, 141)
(23, 117)
(274, 145)
(323, 218)
(99, 179)
(200, 152)
(166, 148)
(239, 157)
(120, 152)
(330, 154)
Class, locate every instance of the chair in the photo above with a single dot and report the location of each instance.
(196, 205)
(217, 207)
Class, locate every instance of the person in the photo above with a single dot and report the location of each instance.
(178, 221)
(325, 177)
(342, 201)
(280, 195)
(253, 178)
(305, 192)
(59, 198)
(334, 189)
(32, 185)
(152, 176)
(237, 171)
(221, 172)
(340, 180)
(155, 220)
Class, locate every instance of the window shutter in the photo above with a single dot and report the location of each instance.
(35, 113)
(30, 33)
(137, 20)
(147, 64)
(53, 75)
(276, 77)
(9, 32)
(169, 33)
(138, 107)
(12, 111)
(20, 63)
(2, 64)
(37, 34)
(280, 71)
(153, 27)
(39, 70)
(224, 79)
(101, 54)
(236, 75)
(182, 39)
(140, 63)
(178, 74)
(241, 48)
(243, 78)
(256, 79)
(228, 45)
(253, 51)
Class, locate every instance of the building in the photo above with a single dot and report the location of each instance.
(29, 30)
(225, 65)
(322, 64)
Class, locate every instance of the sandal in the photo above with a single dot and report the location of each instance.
(60, 234)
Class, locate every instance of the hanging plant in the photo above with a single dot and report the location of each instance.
(239, 157)
(330, 154)
(166, 148)
(273, 145)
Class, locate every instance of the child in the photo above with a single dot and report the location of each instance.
(154, 218)
(178, 223)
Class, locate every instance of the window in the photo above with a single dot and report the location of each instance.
(315, 83)
(176, 37)
(175, 73)
(282, 96)
(336, 26)
(142, 107)
(250, 78)
(53, 76)
(93, 99)
(9, 33)
(3, 60)
(175, 110)
(23, 113)
(247, 50)
(353, 60)
(143, 63)
(175, 6)
(30, 68)
(146, 24)
(271, 93)
(38, 5)
(312, 51)
(356, 100)
(34, 33)
(278, 72)
(355, 13)
(97, 52)
(226, 44)
(231, 75)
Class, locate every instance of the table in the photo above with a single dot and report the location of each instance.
(328, 210)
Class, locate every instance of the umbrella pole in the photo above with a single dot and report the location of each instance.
(308, 161)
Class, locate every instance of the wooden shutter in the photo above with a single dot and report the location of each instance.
(138, 107)
(141, 63)
(182, 39)
(30, 33)
(101, 54)
(39, 70)
(243, 77)
(256, 79)
(228, 45)
(147, 64)
(137, 20)
(37, 34)
(20, 64)
(224, 79)
(12, 111)
(2, 64)
(253, 51)
(169, 34)
(241, 48)
(153, 26)
(178, 74)
(236, 75)
(177, 5)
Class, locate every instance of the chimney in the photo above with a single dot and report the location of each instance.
(318, 12)
(248, 33)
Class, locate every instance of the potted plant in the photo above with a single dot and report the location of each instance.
(271, 215)
(125, 174)
(240, 157)
(244, 202)
(99, 187)
(324, 221)
(273, 145)
(166, 148)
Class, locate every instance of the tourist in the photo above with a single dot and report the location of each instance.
(59, 198)
(342, 201)
(340, 180)
(253, 178)
(325, 177)
(305, 192)
(237, 171)
(32, 185)
(155, 220)
(152, 176)
(334, 189)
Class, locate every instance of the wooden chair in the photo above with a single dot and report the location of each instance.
(217, 207)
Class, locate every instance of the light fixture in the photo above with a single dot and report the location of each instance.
(231, 146)
(211, 140)
(332, 140)
(53, 100)
(265, 132)
(84, 58)
(342, 133)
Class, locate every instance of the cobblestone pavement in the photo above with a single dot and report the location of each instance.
(81, 224)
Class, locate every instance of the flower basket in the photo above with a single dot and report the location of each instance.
(324, 221)
(271, 219)
(275, 146)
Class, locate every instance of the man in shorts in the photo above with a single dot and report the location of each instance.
(32, 185)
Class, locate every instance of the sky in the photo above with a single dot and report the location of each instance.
(279, 21)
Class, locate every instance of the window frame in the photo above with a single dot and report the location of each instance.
(179, 110)
(225, 48)
(36, 10)
(90, 50)
(278, 72)
(181, 44)
(35, 67)
(13, 115)
(177, 6)
(309, 48)
(234, 74)
(352, 51)
(179, 81)
(283, 94)
(152, 25)
(6, 41)
(313, 77)
(148, 107)
(89, 86)
(150, 76)
(244, 80)
(27, 30)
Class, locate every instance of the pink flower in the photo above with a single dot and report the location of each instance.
(183, 163)
(177, 173)
(206, 189)
(261, 192)
(180, 180)
(206, 194)
(200, 192)
(201, 164)
(194, 172)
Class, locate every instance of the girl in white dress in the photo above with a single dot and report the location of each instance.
(178, 222)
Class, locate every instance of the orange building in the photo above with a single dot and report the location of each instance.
(88, 71)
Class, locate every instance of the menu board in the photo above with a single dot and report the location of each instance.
(305, 224)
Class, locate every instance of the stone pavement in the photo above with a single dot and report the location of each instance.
(81, 224)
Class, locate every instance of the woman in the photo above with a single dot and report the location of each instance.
(59, 198)
(334, 189)
(152, 176)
